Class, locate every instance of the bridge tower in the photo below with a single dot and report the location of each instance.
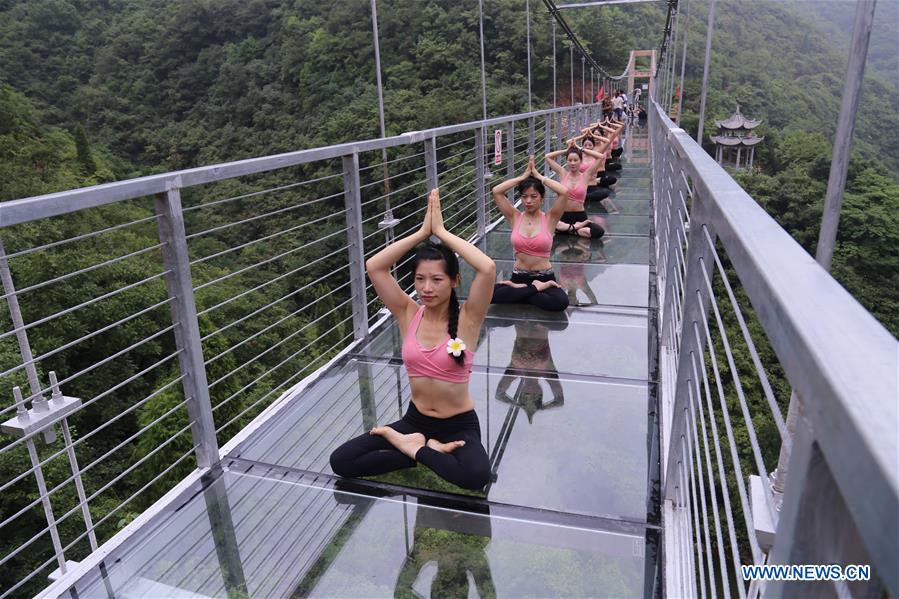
(633, 73)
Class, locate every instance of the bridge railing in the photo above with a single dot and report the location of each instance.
(747, 318)
(145, 322)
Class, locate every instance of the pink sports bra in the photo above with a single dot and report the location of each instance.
(539, 245)
(577, 189)
(435, 363)
(586, 163)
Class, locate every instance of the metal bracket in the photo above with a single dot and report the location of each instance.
(388, 223)
(41, 417)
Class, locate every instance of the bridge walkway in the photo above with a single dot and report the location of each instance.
(567, 405)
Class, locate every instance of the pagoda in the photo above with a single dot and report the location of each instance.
(736, 132)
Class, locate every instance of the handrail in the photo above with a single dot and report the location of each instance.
(836, 356)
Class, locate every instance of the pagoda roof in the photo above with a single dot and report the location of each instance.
(738, 121)
(727, 140)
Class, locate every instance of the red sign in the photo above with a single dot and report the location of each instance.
(498, 146)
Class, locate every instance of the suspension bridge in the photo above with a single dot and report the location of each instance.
(244, 315)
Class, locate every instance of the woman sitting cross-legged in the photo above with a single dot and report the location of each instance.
(440, 428)
(532, 279)
(574, 220)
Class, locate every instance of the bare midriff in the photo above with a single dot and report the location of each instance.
(440, 399)
(574, 206)
(528, 262)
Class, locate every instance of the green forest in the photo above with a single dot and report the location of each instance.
(99, 91)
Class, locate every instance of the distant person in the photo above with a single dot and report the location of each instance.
(617, 106)
(440, 428)
(533, 281)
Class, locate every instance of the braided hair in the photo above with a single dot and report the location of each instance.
(440, 252)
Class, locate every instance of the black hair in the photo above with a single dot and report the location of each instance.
(574, 150)
(531, 182)
(438, 252)
(590, 139)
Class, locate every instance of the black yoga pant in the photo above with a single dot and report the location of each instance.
(575, 217)
(617, 152)
(553, 299)
(467, 466)
(613, 166)
(595, 193)
(607, 180)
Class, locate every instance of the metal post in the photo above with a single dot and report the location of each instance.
(352, 198)
(224, 536)
(18, 323)
(560, 130)
(673, 55)
(480, 180)
(483, 69)
(510, 150)
(555, 84)
(592, 95)
(842, 144)
(527, 11)
(179, 283)
(367, 396)
(374, 26)
(547, 148)
(531, 136)
(571, 60)
(705, 71)
(431, 163)
(73, 464)
(583, 78)
(683, 63)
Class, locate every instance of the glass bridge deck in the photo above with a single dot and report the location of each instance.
(567, 409)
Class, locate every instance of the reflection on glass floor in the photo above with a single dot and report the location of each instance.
(264, 532)
(529, 418)
(587, 285)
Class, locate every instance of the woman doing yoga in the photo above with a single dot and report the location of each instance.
(440, 428)
(597, 190)
(532, 279)
(574, 220)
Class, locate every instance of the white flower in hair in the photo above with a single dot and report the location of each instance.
(455, 346)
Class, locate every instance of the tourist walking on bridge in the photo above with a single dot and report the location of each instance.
(440, 428)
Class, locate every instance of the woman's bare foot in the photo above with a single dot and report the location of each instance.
(445, 447)
(511, 284)
(407, 444)
(544, 285)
